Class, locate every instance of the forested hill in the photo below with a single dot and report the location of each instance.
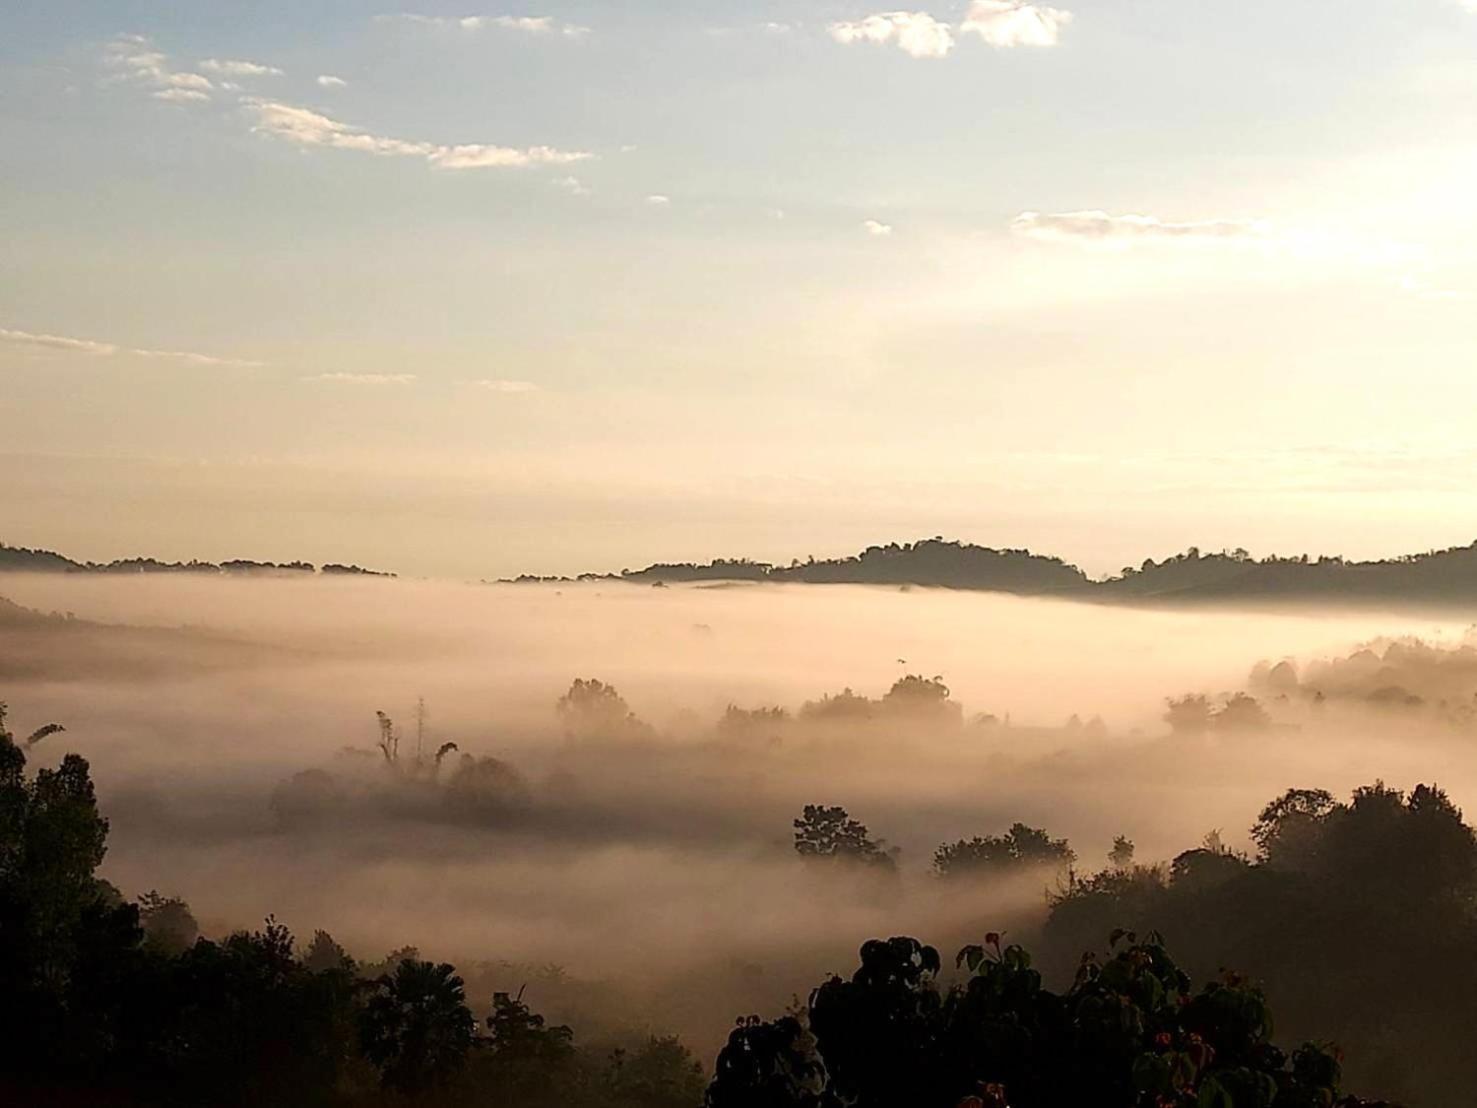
(20, 559)
(1434, 577)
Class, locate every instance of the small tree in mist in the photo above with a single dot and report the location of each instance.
(661, 1073)
(1242, 713)
(926, 697)
(526, 1060)
(592, 709)
(1021, 848)
(169, 925)
(844, 707)
(1121, 856)
(324, 954)
(752, 725)
(831, 834)
(1188, 715)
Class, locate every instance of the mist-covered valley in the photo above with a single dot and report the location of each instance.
(614, 827)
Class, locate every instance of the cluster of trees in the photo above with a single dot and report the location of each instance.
(830, 834)
(1394, 674)
(1196, 713)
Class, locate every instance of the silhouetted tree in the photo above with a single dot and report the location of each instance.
(830, 833)
(1018, 849)
(169, 925)
(594, 710)
(416, 1026)
(1188, 715)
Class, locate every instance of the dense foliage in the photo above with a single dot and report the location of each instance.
(1129, 1032)
(1359, 916)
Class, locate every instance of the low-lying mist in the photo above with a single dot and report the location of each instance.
(641, 839)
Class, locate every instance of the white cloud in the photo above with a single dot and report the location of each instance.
(134, 59)
(872, 227)
(327, 80)
(364, 378)
(305, 127)
(528, 24)
(917, 34)
(656, 200)
(572, 185)
(1007, 23)
(181, 95)
(506, 386)
(1101, 227)
(109, 349)
(230, 68)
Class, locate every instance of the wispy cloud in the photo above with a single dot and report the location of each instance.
(364, 378)
(181, 95)
(1008, 23)
(227, 67)
(917, 34)
(328, 80)
(108, 349)
(657, 200)
(504, 386)
(134, 59)
(528, 24)
(572, 185)
(304, 127)
(873, 227)
(1102, 227)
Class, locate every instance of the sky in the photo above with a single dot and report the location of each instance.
(469, 291)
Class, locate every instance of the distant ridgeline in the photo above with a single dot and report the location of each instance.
(18, 559)
(1441, 575)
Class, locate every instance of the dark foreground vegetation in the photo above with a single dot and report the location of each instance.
(114, 1002)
